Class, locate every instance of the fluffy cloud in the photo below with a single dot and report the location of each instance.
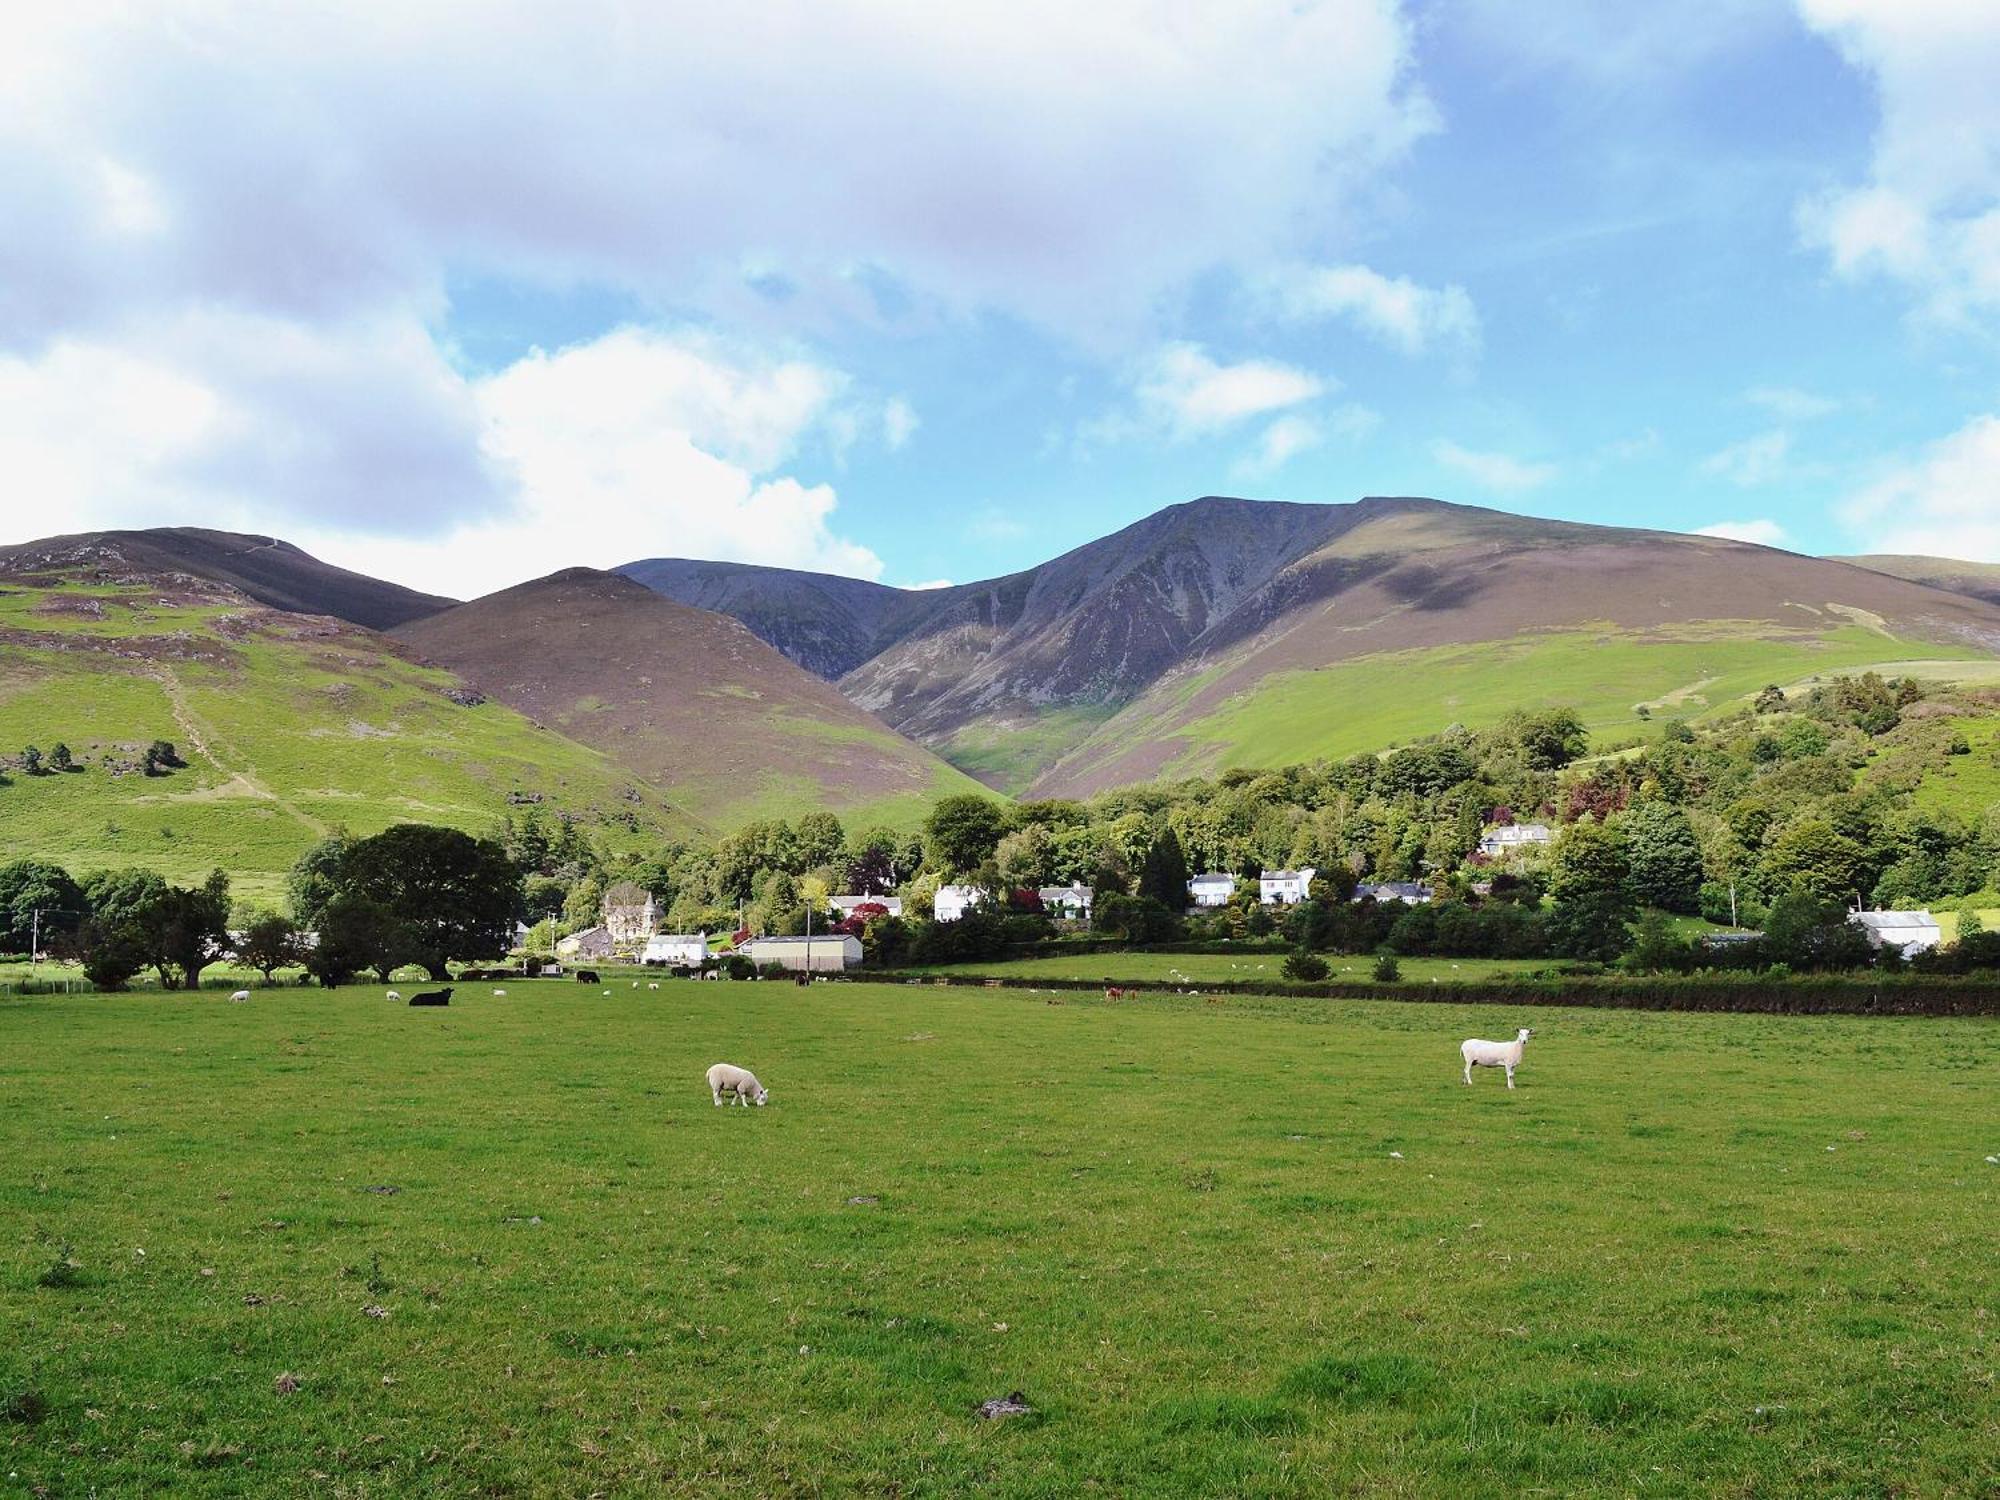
(1192, 395)
(1395, 310)
(1929, 213)
(1944, 501)
(1501, 473)
(1763, 531)
(1754, 461)
(1790, 404)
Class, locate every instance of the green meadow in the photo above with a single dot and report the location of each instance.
(1211, 968)
(324, 1244)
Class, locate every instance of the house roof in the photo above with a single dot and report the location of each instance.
(817, 939)
(1212, 876)
(1880, 920)
(1288, 874)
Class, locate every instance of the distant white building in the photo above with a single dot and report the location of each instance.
(954, 901)
(1284, 887)
(630, 914)
(592, 942)
(1212, 889)
(1409, 892)
(1906, 931)
(1072, 902)
(676, 950)
(1512, 838)
(820, 955)
(845, 904)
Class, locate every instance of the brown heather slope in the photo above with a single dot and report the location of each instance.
(687, 699)
(270, 571)
(1976, 580)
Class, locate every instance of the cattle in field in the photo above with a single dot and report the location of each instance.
(586, 976)
(432, 997)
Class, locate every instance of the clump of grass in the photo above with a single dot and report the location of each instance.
(25, 1405)
(377, 1282)
(65, 1270)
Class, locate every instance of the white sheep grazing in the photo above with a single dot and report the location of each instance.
(394, 996)
(500, 994)
(724, 1078)
(1478, 1054)
(652, 986)
(239, 997)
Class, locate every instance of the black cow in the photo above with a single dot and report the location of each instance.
(586, 976)
(432, 997)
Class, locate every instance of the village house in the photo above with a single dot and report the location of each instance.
(1907, 932)
(592, 942)
(1382, 892)
(954, 901)
(1212, 889)
(676, 950)
(1072, 903)
(1285, 887)
(1513, 838)
(845, 904)
(630, 914)
(818, 955)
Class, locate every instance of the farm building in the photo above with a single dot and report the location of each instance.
(954, 901)
(592, 942)
(819, 955)
(1212, 889)
(1409, 892)
(1906, 931)
(1512, 838)
(1284, 887)
(1072, 902)
(676, 950)
(630, 914)
(845, 904)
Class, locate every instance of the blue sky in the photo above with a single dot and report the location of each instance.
(925, 293)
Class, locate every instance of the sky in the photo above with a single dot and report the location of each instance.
(463, 292)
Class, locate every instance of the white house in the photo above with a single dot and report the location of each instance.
(592, 942)
(676, 950)
(1212, 889)
(1072, 902)
(1383, 892)
(819, 955)
(1285, 887)
(1512, 838)
(845, 904)
(630, 914)
(954, 901)
(1906, 931)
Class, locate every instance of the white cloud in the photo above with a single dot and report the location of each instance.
(1790, 404)
(899, 423)
(1395, 310)
(1756, 460)
(929, 584)
(1193, 395)
(1944, 501)
(1500, 472)
(1280, 443)
(1929, 212)
(1763, 531)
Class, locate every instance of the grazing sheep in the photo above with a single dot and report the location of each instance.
(724, 1078)
(432, 997)
(499, 994)
(1478, 1054)
(240, 996)
(652, 986)
(394, 996)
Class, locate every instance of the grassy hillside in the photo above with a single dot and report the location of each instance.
(292, 725)
(1975, 579)
(1252, 1249)
(1367, 702)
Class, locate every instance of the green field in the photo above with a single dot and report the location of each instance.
(1243, 1248)
(1364, 704)
(1210, 968)
(290, 730)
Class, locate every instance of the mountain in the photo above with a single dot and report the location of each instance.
(685, 698)
(1229, 631)
(824, 623)
(1973, 579)
(292, 725)
(269, 571)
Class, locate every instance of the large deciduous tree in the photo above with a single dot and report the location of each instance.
(962, 832)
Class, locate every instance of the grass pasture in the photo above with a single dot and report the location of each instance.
(1186, 969)
(1690, 1254)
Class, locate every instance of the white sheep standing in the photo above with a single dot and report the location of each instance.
(1478, 1054)
(393, 995)
(726, 1078)
(499, 994)
(239, 997)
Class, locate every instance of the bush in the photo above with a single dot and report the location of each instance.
(1387, 970)
(1305, 966)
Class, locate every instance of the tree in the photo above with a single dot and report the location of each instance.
(818, 839)
(1304, 965)
(962, 832)
(1164, 875)
(315, 879)
(1814, 854)
(160, 758)
(270, 942)
(1588, 879)
(28, 886)
(112, 951)
(60, 759)
(871, 871)
(31, 760)
(542, 896)
(1807, 931)
(1665, 857)
(451, 896)
(1026, 857)
(127, 906)
(193, 926)
(355, 933)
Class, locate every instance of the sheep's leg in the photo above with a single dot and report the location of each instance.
(1510, 1075)
(1468, 1072)
(717, 1093)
